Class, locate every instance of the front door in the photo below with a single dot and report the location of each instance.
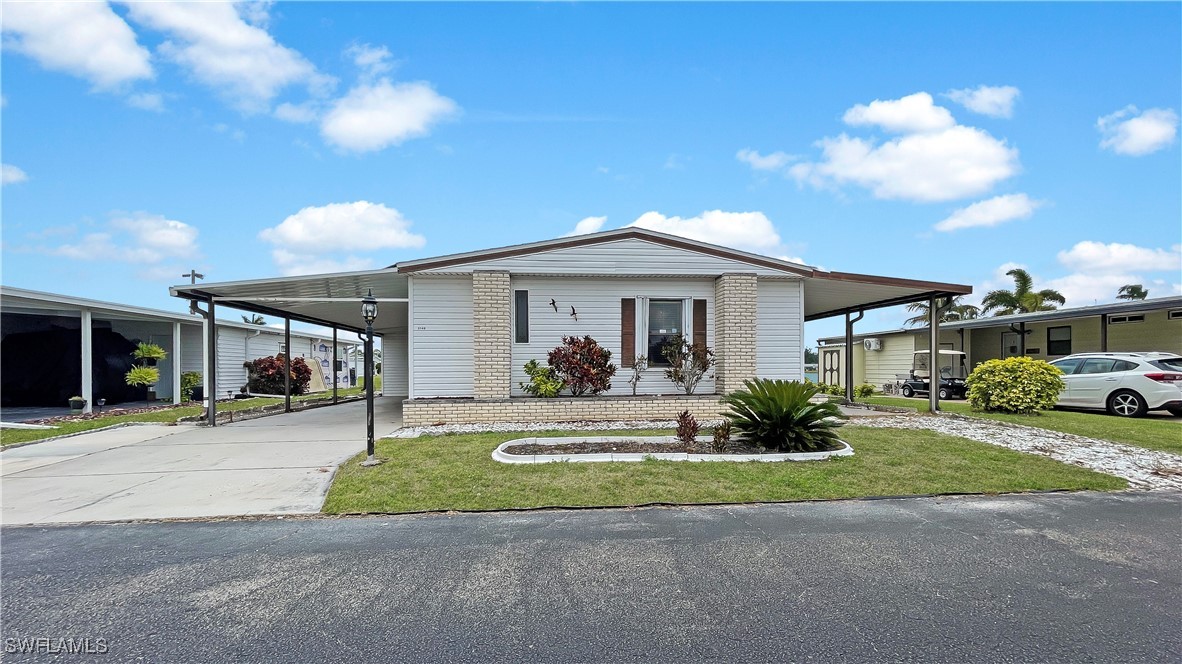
(1010, 345)
(831, 367)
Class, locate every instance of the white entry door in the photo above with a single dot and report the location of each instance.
(1010, 345)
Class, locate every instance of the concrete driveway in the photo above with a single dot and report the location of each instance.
(281, 464)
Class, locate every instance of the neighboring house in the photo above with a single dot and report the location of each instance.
(1141, 325)
(47, 340)
(457, 330)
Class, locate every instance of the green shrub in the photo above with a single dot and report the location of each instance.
(835, 390)
(140, 376)
(864, 390)
(147, 351)
(777, 415)
(1014, 385)
(189, 380)
(543, 381)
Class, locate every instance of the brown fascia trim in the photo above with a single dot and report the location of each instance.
(894, 301)
(955, 289)
(584, 241)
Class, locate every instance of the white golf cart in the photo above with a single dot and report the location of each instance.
(953, 371)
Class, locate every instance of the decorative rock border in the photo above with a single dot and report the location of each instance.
(499, 454)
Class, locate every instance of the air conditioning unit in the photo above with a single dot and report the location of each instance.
(872, 344)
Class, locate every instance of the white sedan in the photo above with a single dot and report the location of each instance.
(1124, 384)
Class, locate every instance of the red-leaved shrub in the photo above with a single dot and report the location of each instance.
(583, 365)
(265, 375)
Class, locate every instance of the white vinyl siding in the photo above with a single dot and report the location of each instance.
(779, 330)
(620, 257)
(192, 350)
(597, 302)
(394, 367)
(442, 337)
(880, 366)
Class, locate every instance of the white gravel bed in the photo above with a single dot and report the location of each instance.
(501, 427)
(1144, 469)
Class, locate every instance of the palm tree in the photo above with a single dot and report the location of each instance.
(1023, 299)
(956, 312)
(254, 319)
(1132, 292)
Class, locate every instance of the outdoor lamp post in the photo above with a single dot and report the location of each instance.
(369, 311)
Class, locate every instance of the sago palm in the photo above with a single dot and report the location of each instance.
(777, 415)
(1023, 299)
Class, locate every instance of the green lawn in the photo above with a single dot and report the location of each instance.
(12, 436)
(456, 472)
(1149, 432)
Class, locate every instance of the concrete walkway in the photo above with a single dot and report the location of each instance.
(281, 464)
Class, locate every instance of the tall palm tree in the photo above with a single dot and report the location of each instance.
(956, 312)
(1023, 299)
(1132, 292)
(254, 319)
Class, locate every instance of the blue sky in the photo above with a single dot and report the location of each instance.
(943, 142)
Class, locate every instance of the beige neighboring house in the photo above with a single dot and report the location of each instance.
(881, 357)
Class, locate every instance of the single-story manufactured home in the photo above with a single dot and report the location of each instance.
(53, 347)
(457, 330)
(1139, 325)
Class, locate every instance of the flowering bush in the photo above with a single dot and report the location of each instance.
(265, 375)
(1014, 385)
(583, 365)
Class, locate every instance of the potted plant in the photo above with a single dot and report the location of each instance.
(145, 374)
(77, 403)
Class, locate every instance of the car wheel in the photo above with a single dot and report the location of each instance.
(944, 394)
(908, 392)
(1126, 404)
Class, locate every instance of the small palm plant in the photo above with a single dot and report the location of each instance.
(144, 375)
(777, 415)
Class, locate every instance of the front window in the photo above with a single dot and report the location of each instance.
(1067, 366)
(1059, 340)
(665, 321)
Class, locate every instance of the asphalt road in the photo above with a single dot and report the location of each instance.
(1083, 577)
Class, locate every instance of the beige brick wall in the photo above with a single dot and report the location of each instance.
(427, 412)
(735, 301)
(491, 334)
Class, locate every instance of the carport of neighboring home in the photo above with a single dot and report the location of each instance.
(456, 330)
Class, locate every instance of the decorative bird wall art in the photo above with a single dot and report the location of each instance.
(554, 304)
(574, 314)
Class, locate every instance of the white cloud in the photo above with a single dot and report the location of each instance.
(741, 230)
(85, 39)
(1081, 289)
(587, 225)
(988, 100)
(10, 174)
(148, 101)
(991, 212)
(297, 113)
(135, 238)
(373, 61)
(358, 226)
(935, 159)
(1141, 133)
(911, 114)
(292, 264)
(764, 162)
(377, 116)
(1100, 258)
(227, 53)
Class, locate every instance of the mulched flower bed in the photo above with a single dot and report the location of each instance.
(109, 412)
(635, 447)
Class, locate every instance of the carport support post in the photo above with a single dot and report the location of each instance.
(849, 355)
(336, 377)
(87, 362)
(287, 365)
(934, 356)
(211, 366)
(176, 363)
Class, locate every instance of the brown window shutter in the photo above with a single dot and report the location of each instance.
(699, 323)
(628, 331)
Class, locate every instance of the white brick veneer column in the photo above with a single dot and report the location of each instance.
(735, 301)
(491, 334)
